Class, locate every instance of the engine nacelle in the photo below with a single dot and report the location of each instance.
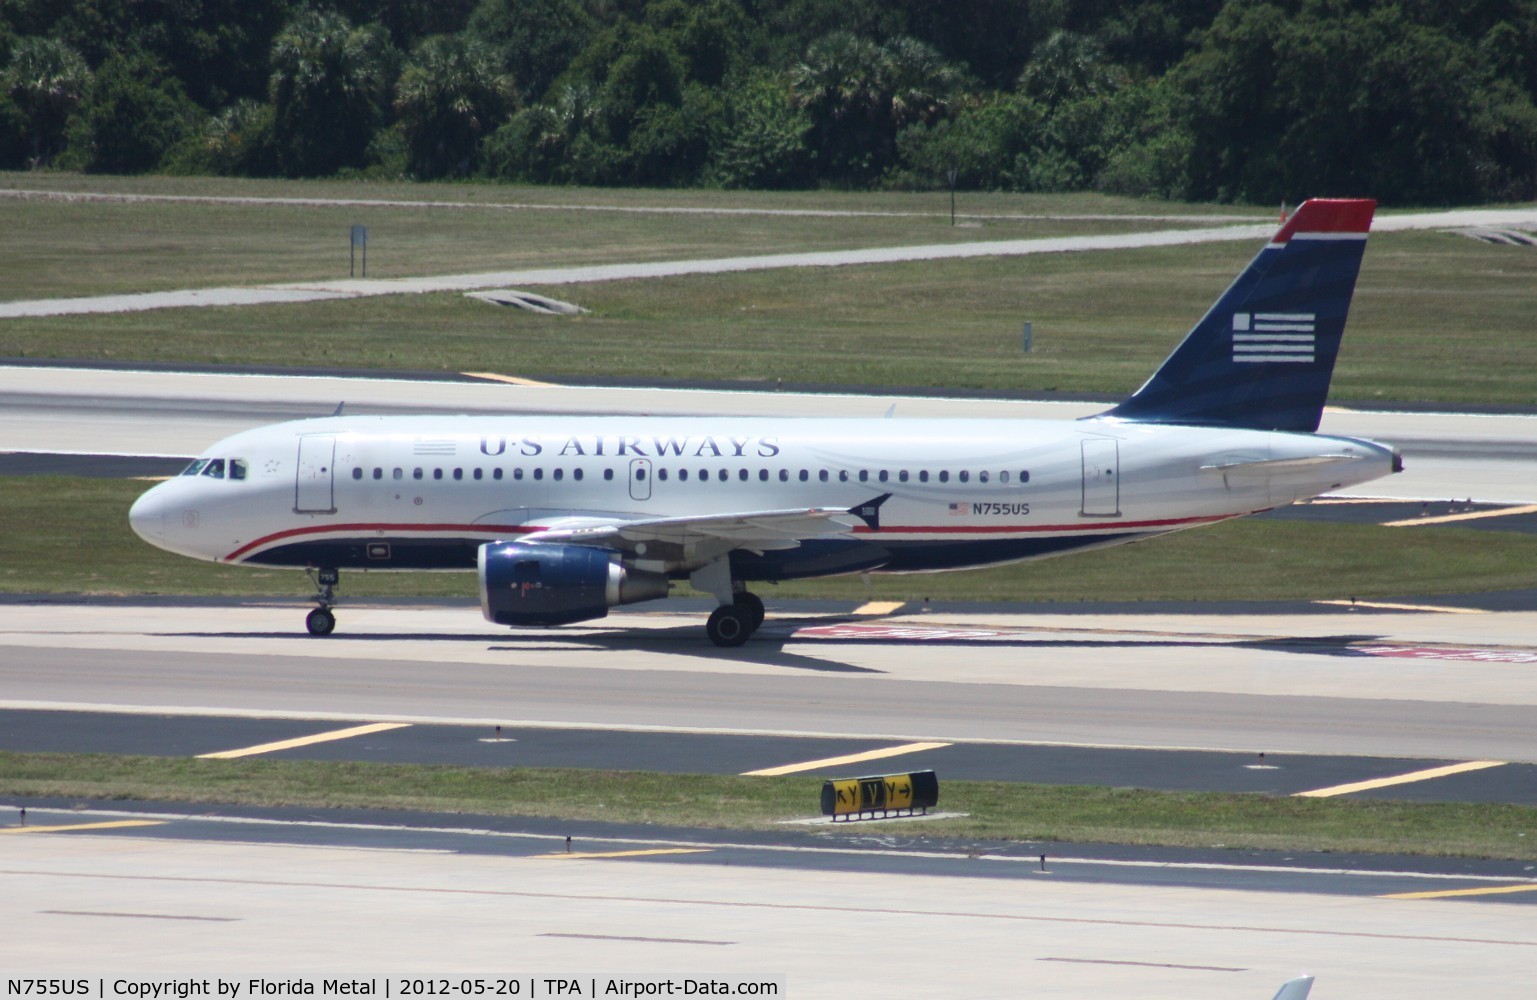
(557, 584)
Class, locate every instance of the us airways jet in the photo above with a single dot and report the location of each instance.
(564, 518)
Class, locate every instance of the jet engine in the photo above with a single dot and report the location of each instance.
(558, 584)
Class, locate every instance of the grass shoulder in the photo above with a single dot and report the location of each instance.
(994, 811)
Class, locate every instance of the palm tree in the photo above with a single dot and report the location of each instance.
(46, 80)
(449, 96)
(328, 86)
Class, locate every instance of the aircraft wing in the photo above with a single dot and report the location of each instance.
(758, 531)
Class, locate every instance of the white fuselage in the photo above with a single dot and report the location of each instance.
(425, 492)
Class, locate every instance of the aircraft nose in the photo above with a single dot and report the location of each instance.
(147, 517)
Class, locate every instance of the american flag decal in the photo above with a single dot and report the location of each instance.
(1286, 338)
(958, 509)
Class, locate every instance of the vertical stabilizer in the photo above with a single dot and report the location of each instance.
(1262, 357)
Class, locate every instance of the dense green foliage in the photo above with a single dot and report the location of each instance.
(1249, 100)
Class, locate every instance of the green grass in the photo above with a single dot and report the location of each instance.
(1438, 318)
(997, 811)
(61, 248)
(1248, 559)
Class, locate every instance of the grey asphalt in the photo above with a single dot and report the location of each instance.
(722, 753)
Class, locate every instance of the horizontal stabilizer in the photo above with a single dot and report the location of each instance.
(1271, 466)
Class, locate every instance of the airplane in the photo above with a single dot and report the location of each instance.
(563, 518)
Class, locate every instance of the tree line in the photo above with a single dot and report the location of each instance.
(1411, 101)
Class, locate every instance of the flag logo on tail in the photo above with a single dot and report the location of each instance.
(1286, 338)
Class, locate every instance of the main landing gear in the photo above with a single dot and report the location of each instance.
(732, 624)
(740, 612)
(321, 621)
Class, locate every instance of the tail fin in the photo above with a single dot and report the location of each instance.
(1262, 357)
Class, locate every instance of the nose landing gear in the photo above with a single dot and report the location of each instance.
(321, 621)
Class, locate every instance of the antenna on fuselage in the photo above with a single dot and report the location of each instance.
(339, 408)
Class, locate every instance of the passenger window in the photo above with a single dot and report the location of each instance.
(399, 473)
(784, 475)
(723, 475)
(822, 475)
(742, 475)
(661, 474)
(437, 473)
(558, 474)
(683, 475)
(864, 475)
(416, 473)
(538, 473)
(458, 474)
(608, 475)
(357, 473)
(762, 475)
(944, 476)
(479, 474)
(882, 476)
(575, 474)
(982, 477)
(1003, 477)
(214, 469)
(843, 475)
(517, 473)
(965, 476)
(902, 476)
(805, 475)
(923, 475)
(378, 472)
(1024, 475)
(237, 468)
(496, 474)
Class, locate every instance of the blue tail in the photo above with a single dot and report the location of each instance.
(1261, 358)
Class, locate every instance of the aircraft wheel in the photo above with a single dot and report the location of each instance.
(729, 625)
(320, 621)
(753, 605)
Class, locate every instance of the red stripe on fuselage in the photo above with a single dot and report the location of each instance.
(905, 529)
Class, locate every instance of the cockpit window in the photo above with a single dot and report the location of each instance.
(214, 469)
(194, 467)
(237, 468)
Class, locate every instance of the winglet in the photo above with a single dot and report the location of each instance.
(1295, 989)
(1263, 355)
(870, 511)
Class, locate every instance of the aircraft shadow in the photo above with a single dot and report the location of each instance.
(767, 647)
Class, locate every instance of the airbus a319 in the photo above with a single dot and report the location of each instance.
(563, 518)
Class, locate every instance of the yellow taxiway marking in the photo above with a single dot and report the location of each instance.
(878, 607)
(623, 854)
(1384, 605)
(853, 758)
(1451, 893)
(1471, 515)
(509, 379)
(304, 741)
(115, 825)
(1401, 779)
